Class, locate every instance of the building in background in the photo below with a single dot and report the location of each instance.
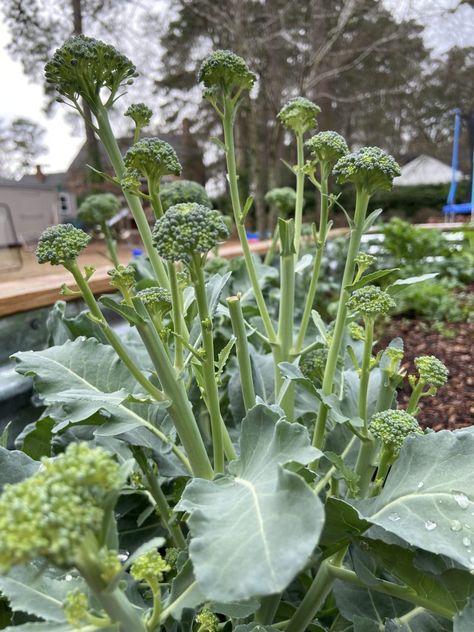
(425, 170)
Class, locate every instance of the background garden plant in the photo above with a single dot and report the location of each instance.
(234, 462)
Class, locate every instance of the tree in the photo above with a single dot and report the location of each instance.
(22, 143)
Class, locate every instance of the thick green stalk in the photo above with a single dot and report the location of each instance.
(242, 349)
(415, 397)
(365, 463)
(228, 120)
(385, 461)
(322, 234)
(362, 202)
(299, 191)
(108, 139)
(365, 370)
(111, 244)
(268, 607)
(387, 391)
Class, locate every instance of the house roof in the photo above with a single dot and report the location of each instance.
(425, 170)
(52, 182)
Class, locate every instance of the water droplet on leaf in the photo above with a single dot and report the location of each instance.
(456, 525)
(462, 500)
(430, 525)
(394, 517)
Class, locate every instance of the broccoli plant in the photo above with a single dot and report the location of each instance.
(223, 459)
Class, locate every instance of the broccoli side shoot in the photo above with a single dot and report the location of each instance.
(282, 198)
(139, 113)
(370, 169)
(152, 158)
(432, 371)
(61, 244)
(188, 229)
(224, 71)
(182, 191)
(370, 301)
(392, 427)
(327, 147)
(98, 208)
(299, 115)
(157, 300)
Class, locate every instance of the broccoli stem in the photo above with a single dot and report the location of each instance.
(362, 202)
(108, 139)
(111, 243)
(415, 397)
(365, 370)
(272, 250)
(299, 191)
(243, 353)
(387, 391)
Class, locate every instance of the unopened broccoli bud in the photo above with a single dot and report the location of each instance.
(76, 606)
(313, 363)
(364, 261)
(157, 300)
(370, 301)
(110, 565)
(392, 427)
(327, 147)
(432, 371)
(152, 158)
(283, 199)
(149, 568)
(188, 229)
(83, 66)
(370, 169)
(299, 115)
(122, 277)
(225, 71)
(49, 514)
(131, 181)
(61, 244)
(182, 191)
(395, 356)
(139, 113)
(208, 622)
(356, 332)
(98, 208)
(171, 556)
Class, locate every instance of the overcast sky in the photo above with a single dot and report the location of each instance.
(22, 98)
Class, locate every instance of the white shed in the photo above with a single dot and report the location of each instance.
(425, 170)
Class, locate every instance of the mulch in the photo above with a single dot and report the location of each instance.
(453, 406)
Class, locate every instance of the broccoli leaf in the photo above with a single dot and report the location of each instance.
(15, 466)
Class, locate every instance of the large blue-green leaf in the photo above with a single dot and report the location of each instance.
(464, 621)
(255, 528)
(15, 466)
(428, 499)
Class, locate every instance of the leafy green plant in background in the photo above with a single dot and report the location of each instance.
(97, 209)
(232, 462)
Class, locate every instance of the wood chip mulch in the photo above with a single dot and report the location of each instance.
(453, 406)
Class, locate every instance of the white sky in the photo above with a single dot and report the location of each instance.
(22, 98)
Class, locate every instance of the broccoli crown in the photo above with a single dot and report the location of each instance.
(183, 191)
(83, 66)
(149, 567)
(61, 244)
(370, 301)
(122, 276)
(327, 146)
(156, 299)
(152, 158)
(139, 113)
(312, 364)
(432, 371)
(283, 199)
(98, 208)
(299, 115)
(188, 229)
(364, 260)
(76, 606)
(208, 622)
(50, 513)
(392, 427)
(369, 168)
(225, 71)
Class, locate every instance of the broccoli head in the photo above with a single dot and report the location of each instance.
(183, 191)
(188, 229)
(76, 606)
(283, 199)
(208, 621)
(157, 300)
(83, 66)
(149, 568)
(364, 261)
(224, 71)
(140, 114)
(98, 208)
(122, 277)
(327, 147)
(299, 115)
(370, 301)
(392, 427)
(313, 363)
(431, 371)
(61, 244)
(152, 158)
(49, 514)
(370, 169)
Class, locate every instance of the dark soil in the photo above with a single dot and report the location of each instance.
(453, 344)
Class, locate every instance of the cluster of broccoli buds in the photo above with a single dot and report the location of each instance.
(149, 568)
(327, 147)
(431, 371)
(76, 607)
(188, 229)
(283, 199)
(61, 244)
(363, 261)
(370, 169)
(392, 427)
(157, 300)
(181, 191)
(225, 72)
(152, 158)
(50, 514)
(83, 66)
(313, 363)
(299, 115)
(122, 277)
(140, 114)
(370, 301)
(98, 208)
(207, 621)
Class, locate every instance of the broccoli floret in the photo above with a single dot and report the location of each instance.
(152, 158)
(188, 229)
(83, 66)
(131, 181)
(370, 301)
(49, 514)
(312, 364)
(392, 427)
(183, 191)
(283, 199)
(98, 208)
(364, 261)
(208, 622)
(356, 332)
(157, 300)
(61, 244)
(431, 371)
(299, 115)
(76, 606)
(122, 277)
(224, 71)
(149, 568)
(370, 169)
(140, 114)
(327, 147)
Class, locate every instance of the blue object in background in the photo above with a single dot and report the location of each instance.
(451, 208)
(137, 252)
(253, 236)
